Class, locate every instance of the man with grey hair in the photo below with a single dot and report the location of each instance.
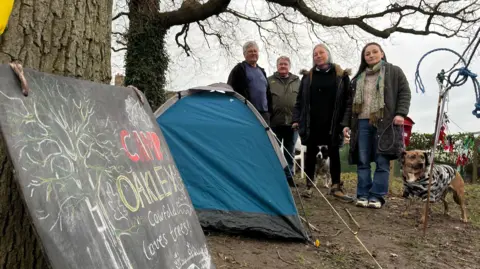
(250, 80)
(284, 86)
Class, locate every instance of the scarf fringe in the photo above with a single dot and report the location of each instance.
(375, 117)
(377, 102)
(357, 108)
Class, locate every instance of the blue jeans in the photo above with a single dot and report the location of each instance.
(367, 148)
(289, 137)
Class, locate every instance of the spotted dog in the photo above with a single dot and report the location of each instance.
(415, 172)
(322, 169)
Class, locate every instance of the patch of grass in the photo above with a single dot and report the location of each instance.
(340, 258)
(412, 243)
(472, 194)
(308, 211)
(349, 180)
(301, 259)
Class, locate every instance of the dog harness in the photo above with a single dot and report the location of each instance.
(441, 178)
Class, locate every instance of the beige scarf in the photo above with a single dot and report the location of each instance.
(377, 102)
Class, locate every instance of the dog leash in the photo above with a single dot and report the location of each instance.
(392, 125)
(355, 233)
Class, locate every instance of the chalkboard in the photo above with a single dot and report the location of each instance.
(97, 176)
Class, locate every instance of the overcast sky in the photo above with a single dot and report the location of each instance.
(211, 65)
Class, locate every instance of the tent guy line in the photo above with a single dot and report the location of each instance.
(355, 234)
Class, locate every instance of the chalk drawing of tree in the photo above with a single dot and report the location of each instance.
(68, 150)
(65, 147)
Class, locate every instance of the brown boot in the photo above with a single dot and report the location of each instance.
(337, 191)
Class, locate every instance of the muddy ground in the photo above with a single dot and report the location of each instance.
(394, 240)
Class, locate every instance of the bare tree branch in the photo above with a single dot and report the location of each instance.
(273, 24)
(119, 49)
(467, 49)
(221, 27)
(120, 15)
(183, 32)
(252, 19)
(277, 23)
(189, 14)
(352, 37)
(120, 42)
(465, 14)
(207, 33)
(274, 27)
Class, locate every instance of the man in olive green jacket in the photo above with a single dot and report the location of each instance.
(284, 87)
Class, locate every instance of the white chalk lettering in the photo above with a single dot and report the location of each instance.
(168, 211)
(183, 228)
(151, 248)
(145, 252)
(197, 257)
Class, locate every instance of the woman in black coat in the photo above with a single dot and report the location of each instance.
(379, 102)
(319, 109)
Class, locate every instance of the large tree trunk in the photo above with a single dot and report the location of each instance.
(146, 60)
(19, 247)
(69, 38)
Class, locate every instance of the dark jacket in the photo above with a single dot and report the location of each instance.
(397, 102)
(301, 113)
(239, 82)
(284, 96)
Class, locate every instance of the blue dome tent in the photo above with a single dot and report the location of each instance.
(230, 162)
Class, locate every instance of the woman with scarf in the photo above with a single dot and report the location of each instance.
(319, 109)
(379, 102)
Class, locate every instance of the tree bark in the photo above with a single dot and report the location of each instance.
(146, 59)
(68, 38)
(19, 247)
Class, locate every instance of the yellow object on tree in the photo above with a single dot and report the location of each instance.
(6, 7)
